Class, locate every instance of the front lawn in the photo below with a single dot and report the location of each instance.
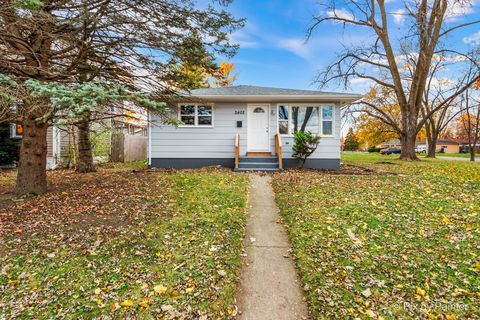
(123, 244)
(460, 155)
(401, 241)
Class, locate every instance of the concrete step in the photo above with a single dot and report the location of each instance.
(258, 165)
(258, 159)
(256, 169)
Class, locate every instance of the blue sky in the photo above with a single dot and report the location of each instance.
(273, 48)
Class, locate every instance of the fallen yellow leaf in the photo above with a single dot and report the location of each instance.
(160, 289)
(115, 307)
(127, 303)
(190, 289)
(421, 293)
(446, 220)
(144, 303)
(370, 313)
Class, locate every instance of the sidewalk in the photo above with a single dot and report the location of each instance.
(269, 284)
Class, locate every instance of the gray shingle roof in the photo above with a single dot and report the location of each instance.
(243, 90)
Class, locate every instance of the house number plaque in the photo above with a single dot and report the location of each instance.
(239, 111)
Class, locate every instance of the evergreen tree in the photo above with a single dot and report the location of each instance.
(351, 141)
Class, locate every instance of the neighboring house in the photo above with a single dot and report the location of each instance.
(58, 144)
(260, 117)
(122, 139)
(392, 143)
(448, 146)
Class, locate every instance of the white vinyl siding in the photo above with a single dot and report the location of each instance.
(218, 141)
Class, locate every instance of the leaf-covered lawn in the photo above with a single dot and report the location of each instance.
(461, 155)
(398, 245)
(120, 243)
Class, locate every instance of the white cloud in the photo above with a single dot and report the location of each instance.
(456, 9)
(243, 39)
(360, 84)
(474, 39)
(443, 83)
(297, 46)
(340, 13)
(399, 16)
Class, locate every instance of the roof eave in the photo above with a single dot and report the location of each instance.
(342, 99)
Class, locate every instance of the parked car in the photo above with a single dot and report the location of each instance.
(421, 149)
(388, 151)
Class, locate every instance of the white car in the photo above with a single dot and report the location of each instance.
(421, 149)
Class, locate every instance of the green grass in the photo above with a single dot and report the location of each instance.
(401, 243)
(177, 257)
(460, 155)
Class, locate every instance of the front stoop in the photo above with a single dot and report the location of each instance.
(257, 164)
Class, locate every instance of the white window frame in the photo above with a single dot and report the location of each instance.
(13, 132)
(320, 117)
(195, 116)
(333, 120)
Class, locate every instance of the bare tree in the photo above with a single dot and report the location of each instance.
(401, 64)
(469, 121)
(441, 97)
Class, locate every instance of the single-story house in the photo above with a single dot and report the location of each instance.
(392, 143)
(58, 142)
(248, 128)
(448, 146)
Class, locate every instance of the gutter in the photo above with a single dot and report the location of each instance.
(342, 98)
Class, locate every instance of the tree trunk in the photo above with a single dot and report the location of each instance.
(85, 157)
(32, 176)
(408, 146)
(432, 146)
(472, 154)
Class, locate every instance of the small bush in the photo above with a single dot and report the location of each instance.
(305, 143)
(373, 149)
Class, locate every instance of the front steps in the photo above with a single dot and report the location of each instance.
(262, 164)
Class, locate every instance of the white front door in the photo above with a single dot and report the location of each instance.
(258, 127)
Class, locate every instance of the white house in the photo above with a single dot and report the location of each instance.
(248, 128)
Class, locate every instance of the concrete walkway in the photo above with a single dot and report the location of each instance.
(269, 284)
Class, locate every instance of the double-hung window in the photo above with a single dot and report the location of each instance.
(327, 120)
(315, 119)
(196, 115)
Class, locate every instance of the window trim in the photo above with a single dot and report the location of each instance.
(13, 132)
(320, 117)
(195, 116)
